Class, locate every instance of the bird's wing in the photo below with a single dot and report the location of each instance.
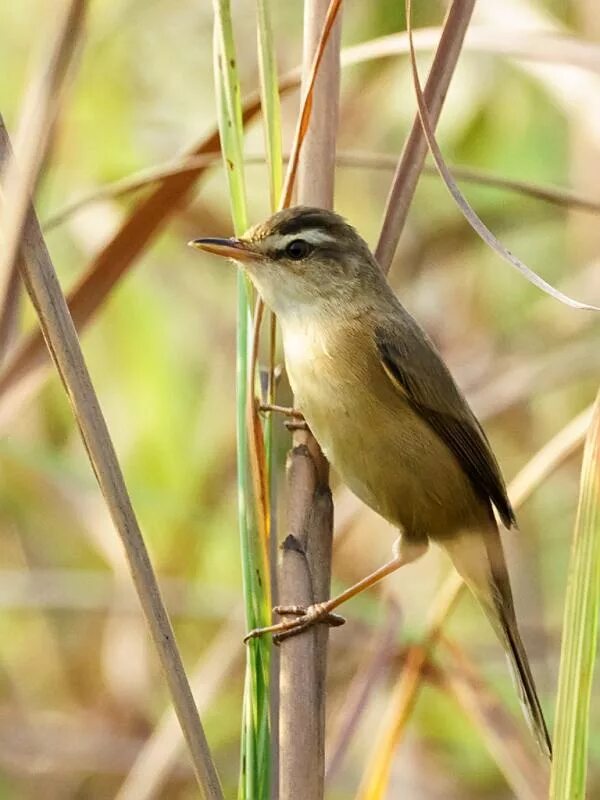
(415, 368)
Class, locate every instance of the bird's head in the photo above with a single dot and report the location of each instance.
(302, 259)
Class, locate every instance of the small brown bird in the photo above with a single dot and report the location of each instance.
(386, 412)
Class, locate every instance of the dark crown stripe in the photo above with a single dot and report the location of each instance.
(313, 220)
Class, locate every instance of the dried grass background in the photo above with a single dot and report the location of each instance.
(80, 688)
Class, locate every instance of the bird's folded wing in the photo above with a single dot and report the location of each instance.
(416, 369)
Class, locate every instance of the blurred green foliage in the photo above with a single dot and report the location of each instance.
(161, 353)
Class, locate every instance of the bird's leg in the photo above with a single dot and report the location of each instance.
(404, 553)
(287, 411)
(296, 421)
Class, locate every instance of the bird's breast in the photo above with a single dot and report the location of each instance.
(315, 366)
(332, 370)
(383, 450)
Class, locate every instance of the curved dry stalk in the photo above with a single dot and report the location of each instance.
(556, 195)
(546, 461)
(468, 212)
(42, 285)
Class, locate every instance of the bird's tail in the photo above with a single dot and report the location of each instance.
(479, 559)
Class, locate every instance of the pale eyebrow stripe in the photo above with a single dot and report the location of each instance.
(314, 236)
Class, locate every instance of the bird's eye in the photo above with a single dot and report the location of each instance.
(297, 250)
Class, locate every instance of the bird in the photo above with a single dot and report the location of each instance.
(386, 412)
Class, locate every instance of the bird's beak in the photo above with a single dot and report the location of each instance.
(237, 249)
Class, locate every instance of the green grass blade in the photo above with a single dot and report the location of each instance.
(580, 628)
(230, 113)
(269, 92)
(271, 112)
(256, 748)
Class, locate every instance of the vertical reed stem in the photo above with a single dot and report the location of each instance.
(305, 568)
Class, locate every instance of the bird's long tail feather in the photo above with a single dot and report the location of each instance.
(480, 561)
(521, 671)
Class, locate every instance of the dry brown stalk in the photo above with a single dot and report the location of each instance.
(317, 52)
(41, 282)
(20, 174)
(305, 568)
(363, 159)
(9, 311)
(301, 701)
(10, 284)
(22, 371)
(415, 149)
(524, 44)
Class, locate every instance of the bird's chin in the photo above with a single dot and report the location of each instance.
(266, 290)
(283, 296)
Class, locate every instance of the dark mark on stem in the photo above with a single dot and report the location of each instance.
(291, 543)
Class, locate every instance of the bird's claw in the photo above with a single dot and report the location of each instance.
(295, 421)
(305, 617)
(296, 425)
(286, 411)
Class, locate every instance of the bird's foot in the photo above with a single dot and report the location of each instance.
(296, 425)
(304, 618)
(296, 421)
(287, 411)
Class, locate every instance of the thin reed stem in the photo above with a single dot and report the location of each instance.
(44, 290)
(305, 568)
